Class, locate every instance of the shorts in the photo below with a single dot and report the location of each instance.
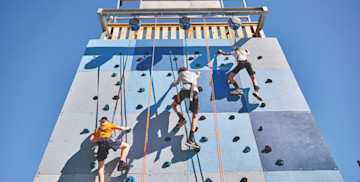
(104, 145)
(243, 64)
(194, 105)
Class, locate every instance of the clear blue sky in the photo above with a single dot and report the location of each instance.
(42, 42)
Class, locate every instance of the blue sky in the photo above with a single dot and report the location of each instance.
(42, 42)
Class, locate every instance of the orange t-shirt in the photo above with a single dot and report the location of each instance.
(104, 131)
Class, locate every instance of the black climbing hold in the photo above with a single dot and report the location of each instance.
(139, 59)
(141, 90)
(191, 58)
(114, 75)
(116, 66)
(237, 138)
(267, 149)
(139, 106)
(130, 179)
(247, 149)
(262, 105)
(115, 97)
(197, 65)
(169, 74)
(93, 165)
(268, 80)
(197, 52)
(196, 129)
(358, 162)
(175, 58)
(259, 57)
(85, 131)
(202, 117)
(280, 162)
(119, 53)
(208, 180)
(261, 128)
(95, 97)
(146, 53)
(200, 89)
(144, 74)
(204, 139)
(243, 179)
(107, 107)
(232, 117)
(168, 139)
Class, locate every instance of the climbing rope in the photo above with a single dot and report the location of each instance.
(148, 112)
(186, 49)
(214, 108)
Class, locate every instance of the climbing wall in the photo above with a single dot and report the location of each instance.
(122, 68)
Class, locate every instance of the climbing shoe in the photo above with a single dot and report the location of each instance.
(180, 123)
(123, 166)
(238, 91)
(257, 95)
(192, 144)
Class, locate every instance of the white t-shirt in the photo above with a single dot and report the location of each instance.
(240, 55)
(187, 77)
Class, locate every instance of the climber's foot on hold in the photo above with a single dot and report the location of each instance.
(192, 144)
(123, 166)
(180, 123)
(238, 91)
(257, 95)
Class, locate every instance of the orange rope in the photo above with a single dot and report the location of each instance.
(148, 113)
(215, 112)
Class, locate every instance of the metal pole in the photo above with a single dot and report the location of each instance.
(245, 6)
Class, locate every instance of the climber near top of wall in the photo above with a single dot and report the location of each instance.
(242, 60)
(188, 90)
(102, 136)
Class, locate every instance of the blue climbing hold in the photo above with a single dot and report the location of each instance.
(85, 131)
(280, 162)
(130, 179)
(93, 165)
(129, 130)
(118, 83)
(107, 107)
(204, 139)
(226, 58)
(142, 90)
(114, 74)
(259, 57)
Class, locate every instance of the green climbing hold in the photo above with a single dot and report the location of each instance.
(85, 131)
(93, 165)
(280, 162)
(197, 65)
(118, 83)
(208, 180)
(142, 90)
(168, 107)
(167, 164)
(107, 107)
(204, 139)
(114, 74)
(259, 57)
(226, 58)
(175, 129)
(130, 179)
(261, 128)
(175, 58)
(129, 130)
(222, 65)
(247, 149)
(170, 52)
(145, 65)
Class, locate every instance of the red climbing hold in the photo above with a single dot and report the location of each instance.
(139, 106)
(262, 105)
(116, 66)
(197, 52)
(200, 89)
(232, 117)
(139, 59)
(202, 117)
(169, 74)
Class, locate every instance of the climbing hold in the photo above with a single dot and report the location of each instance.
(168, 107)
(208, 180)
(93, 165)
(226, 58)
(247, 149)
(200, 89)
(196, 129)
(169, 74)
(280, 162)
(115, 97)
(197, 65)
(129, 130)
(261, 128)
(139, 106)
(250, 64)
(167, 164)
(175, 58)
(268, 80)
(243, 179)
(204, 139)
(107, 107)
(139, 59)
(170, 52)
(168, 139)
(254, 72)
(358, 162)
(145, 65)
(232, 117)
(259, 57)
(262, 105)
(202, 117)
(95, 98)
(144, 74)
(267, 149)
(237, 138)
(114, 75)
(116, 66)
(130, 179)
(118, 83)
(175, 129)
(146, 53)
(222, 65)
(141, 90)
(85, 131)
(119, 53)
(191, 58)
(197, 52)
